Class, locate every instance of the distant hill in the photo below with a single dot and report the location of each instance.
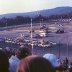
(47, 12)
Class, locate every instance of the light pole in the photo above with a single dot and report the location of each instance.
(42, 21)
(40, 24)
(59, 49)
(31, 37)
(67, 46)
(6, 24)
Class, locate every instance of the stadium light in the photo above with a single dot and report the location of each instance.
(31, 37)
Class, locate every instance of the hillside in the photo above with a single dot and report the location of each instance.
(47, 12)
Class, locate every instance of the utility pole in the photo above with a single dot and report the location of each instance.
(59, 49)
(31, 37)
(67, 46)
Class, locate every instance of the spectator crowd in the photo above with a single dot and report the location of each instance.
(22, 60)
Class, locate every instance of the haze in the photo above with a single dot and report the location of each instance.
(18, 6)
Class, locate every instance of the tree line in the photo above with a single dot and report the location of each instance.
(19, 20)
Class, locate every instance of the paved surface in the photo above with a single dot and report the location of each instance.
(65, 39)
